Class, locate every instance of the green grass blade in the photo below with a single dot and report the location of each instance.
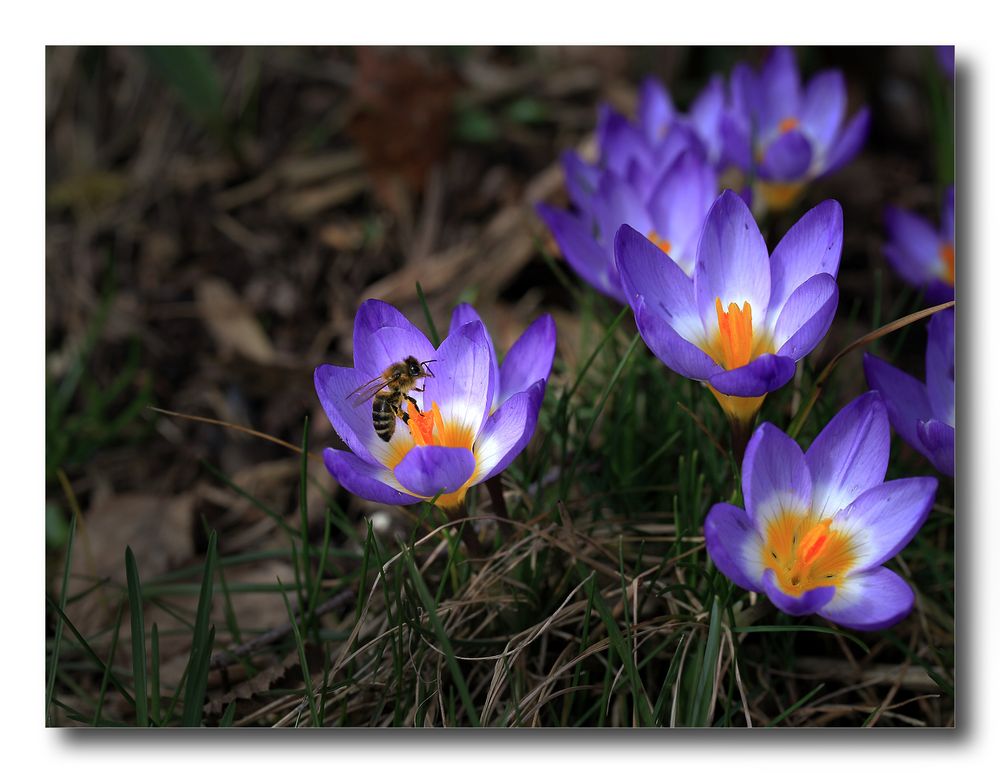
(138, 639)
(154, 681)
(800, 702)
(701, 705)
(456, 672)
(201, 643)
(303, 663)
(431, 327)
(57, 637)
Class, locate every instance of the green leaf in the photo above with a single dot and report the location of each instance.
(201, 643)
(138, 639)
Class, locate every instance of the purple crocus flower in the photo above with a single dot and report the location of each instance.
(655, 174)
(470, 421)
(924, 414)
(922, 255)
(744, 319)
(945, 56)
(786, 135)
(817, 526)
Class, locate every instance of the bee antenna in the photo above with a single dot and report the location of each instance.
(424, 366)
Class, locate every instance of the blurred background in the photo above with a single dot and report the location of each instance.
(215, 216)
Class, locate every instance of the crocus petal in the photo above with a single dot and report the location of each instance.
(733, 544)
(706, 114)
(507, 431)
(382, 336)
(787, 158)
(743, 90)
(941, 365)
(913, 245)
(463, 314)
(579, 245)
(674, 351)
(806, 317)
(809, 602)
(938, 440)
(364, 480)
(463, 384)
(618, 203)
(870, 601)
(351, 418)
(823, 107)
(811, 246)
(679, 203)
(736, 145)
(732, 263)
(646, 272)
(529, 359)
(619, 141)
(761, 375)
(656, 110)
(848, 143)
(884, 519)
(850, 455)
(780, 89)
(581, 179)
(776, 479)
(431, 470)
(905, 398)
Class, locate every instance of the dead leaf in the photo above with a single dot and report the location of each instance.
(232, 323)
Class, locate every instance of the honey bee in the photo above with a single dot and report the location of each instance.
(387, 392)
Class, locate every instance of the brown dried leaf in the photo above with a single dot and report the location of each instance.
(232, 323)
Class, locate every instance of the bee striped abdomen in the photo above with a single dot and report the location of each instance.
(384, 416)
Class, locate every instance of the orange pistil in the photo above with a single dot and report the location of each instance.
(947, 254)
(659, 241)
(788, 124)
(806, 553)
(421, 425)
(735, 334)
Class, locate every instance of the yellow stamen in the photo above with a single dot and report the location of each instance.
(776, 196)
(659, 241)
(947, 254)
(735, 334)
(806, 553)
(788, 124)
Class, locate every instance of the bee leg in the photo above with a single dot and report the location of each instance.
(402, 414)
(414, 402)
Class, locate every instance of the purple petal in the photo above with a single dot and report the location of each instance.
(463, 314)
(850, 455)
(780, 89)
(529, 359)
(428, 471)
(732, 263)
(775, 476)
(706, 114)
(679, 203)
(351, 420)
(764, 374)
(733, 544)
(656, 110)
(913, 248)
(811, 246)
(806, 317)
(382, 336)
(787, 158)
(677, 353)
(809, 602)
(945, 56)
(941, 365)
(823, 107)
(884, 518)
(668, 292)
(846, 146)
(507, 432)
(364, 480)
(620, 142)
(736, 146)
(870, 601)
(905, 398)
(463, 385)
(938, 440)
(582, 251)
(618, 203)
(581, 179)
(744, 90)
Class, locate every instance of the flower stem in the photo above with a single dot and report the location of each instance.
(495, 488)
(465, 530)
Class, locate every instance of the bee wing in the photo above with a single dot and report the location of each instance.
(369, 389)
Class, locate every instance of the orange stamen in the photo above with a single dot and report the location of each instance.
(735, 334)
(819, 557)
(788, 124)
(659, 241)
(422, 425)
(947, 254)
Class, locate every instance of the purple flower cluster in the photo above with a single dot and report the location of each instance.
(924, 256)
